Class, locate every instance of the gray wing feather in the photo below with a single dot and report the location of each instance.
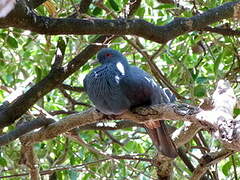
(103, 89)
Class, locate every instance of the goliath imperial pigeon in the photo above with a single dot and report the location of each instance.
(115, 87)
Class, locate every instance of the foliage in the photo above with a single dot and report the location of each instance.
(192, 62)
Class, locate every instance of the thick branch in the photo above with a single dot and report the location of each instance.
(23, 129)
(223, 31)
(183, 134)
(141, 115)
(22, 18)
(111, 126)
(28, 158)
(221, 116)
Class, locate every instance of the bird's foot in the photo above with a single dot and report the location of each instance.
(185, 109)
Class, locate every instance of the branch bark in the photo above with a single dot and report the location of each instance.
(35, 3)
(23, 18)
(23, 129)
(223, 31)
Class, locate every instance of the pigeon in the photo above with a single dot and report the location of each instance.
(116, 86)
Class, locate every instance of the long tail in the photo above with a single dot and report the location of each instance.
(158, 132)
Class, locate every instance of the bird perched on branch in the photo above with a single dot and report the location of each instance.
(115, 87)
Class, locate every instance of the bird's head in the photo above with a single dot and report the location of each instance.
(108, 55)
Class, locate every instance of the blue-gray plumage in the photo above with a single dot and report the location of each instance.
(116, 86)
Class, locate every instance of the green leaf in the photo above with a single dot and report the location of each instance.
(86, 177)
(97, 11)
(106, 167)
(3, 162)
(26, 54)
(114, 5)
(39, 73)
(134, 146)
(12, 42)
(73, 175)
(2, 63)
(17, 32)
(165, 6)
(194, 74)
(140, 12)
(9, 78)
(85, 67)
(140, 148)
(226, 168)
(217, 62)
(149, 3)
(236, 112)
(199, 91)
(202, 80)
(3, 35)
(1, 55)
(29, 40)
(41, 10)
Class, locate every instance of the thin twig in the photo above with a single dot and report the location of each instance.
(73, 101)
(72, 88)
(234, 167)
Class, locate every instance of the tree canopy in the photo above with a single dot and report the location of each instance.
(50, 129)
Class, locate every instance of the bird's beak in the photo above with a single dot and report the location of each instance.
(94, 62)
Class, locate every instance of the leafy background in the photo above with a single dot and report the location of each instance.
(193, 63)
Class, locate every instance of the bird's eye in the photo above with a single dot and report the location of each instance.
(108, 55)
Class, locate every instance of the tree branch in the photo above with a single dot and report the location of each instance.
(110, 126)
(29, 158)
(185, 159)
(71, 88)
(207, 160)
(82, 8)
(92, 116)
(161, 34)
(71, 100)
(35, 3)
(183, 134)
(223, 31)
(53, 113)
(221, 116)
(23, 129)
(79, 140)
